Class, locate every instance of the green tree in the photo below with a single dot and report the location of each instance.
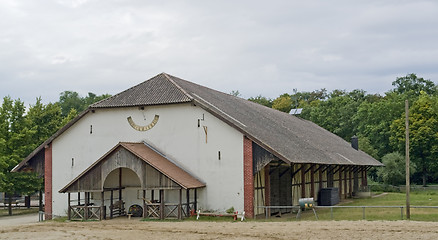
(15, 136)
(69, 100)
(44, 120)
(413, 85)
(374, 119)
(261, 100)
(336, 114)
(235, 93)
(423, 134)
(283, 103)
(394, 171)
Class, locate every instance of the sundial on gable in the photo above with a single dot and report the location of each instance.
(143, 128)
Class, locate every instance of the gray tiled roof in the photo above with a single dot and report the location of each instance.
(155, 91)
(290, 138)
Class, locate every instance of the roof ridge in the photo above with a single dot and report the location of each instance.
(120, 93)
(168, 77)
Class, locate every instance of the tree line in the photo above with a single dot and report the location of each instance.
(24, 129)
(379, 122)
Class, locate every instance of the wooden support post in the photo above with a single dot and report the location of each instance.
(152, 195)
(195, 204)
(320, 178)
(27, 201)
(268, 189)
(40, 199)
(345, 183)
(79, 198)
(120, 184)
(69, 207)
(86, 206)
(303, 181)
(102, 206)
(161, 204)
(365, 177)
(111, 204)
(350, 173)
(144, 204)
(188, 202)
(408, 179)
(340, 183)
(312, 182)
(180, 205)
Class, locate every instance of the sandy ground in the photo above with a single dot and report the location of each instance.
(134, 229)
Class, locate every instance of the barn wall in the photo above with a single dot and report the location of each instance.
(176, 134)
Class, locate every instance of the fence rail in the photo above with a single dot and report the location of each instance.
(267, 209)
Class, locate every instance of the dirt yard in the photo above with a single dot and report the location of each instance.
(135, 229)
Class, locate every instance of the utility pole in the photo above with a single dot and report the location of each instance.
(408, 204)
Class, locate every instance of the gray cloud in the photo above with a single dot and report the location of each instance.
(255, 47)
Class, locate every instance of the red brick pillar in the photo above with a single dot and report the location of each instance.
(48, 181)
(248, 178)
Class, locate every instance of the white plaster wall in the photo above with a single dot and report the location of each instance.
(176, 134)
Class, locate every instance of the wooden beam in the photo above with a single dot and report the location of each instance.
(120, 184)
(161, 204)
(40, 201)
(320, 178)
(357, 169)
(312, 181)
(320, 166)
(326, 167)
(188, 201)
(111, 204)
(271, 170)
(340, 183)
(345, 183)
(310, 167)
(102, 206)
(180, 205)
(296, 171)
(285, 171)
(144, 204)
(195, 205)
(351, 182)
(339, 168)
(86, 206)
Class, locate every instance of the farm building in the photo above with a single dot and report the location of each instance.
(167, 146)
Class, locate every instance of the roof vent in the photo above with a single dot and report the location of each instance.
(355, 142)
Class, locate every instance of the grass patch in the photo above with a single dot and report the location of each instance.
(424, 198)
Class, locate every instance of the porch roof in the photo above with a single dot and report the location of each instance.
(147, 154)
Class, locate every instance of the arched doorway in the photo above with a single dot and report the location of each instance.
(122, 189)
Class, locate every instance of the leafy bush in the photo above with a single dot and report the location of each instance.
(394, 171)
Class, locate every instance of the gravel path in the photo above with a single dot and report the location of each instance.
(19, 220)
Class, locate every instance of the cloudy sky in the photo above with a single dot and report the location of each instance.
(256, 47)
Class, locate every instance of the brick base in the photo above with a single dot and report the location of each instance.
(248, 178)
(48, 181)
